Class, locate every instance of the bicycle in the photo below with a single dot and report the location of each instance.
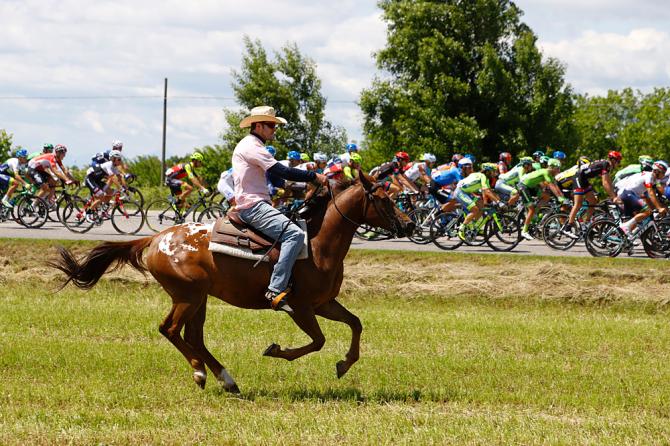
(30, 210)
(605, 238)
(553, 231)
(127, 216)
(164, 212)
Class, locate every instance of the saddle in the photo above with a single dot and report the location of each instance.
(232, 236)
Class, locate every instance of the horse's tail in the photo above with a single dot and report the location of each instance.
(86, 273)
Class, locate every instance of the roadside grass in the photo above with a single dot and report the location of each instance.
(456, 349)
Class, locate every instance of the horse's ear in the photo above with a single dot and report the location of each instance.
(366, 180)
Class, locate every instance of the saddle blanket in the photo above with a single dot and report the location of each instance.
(247, 253)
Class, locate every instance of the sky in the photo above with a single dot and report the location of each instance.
(84, 73)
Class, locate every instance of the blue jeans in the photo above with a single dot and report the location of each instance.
(268, 220)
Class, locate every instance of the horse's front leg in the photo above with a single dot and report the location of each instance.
(304, 317)
(335, 311)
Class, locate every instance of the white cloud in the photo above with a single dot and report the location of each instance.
(90, 120)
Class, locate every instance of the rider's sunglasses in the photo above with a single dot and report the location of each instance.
(271, 125)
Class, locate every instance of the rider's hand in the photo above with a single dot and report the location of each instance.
(662, 211)
(321, 179)
(617, 200)
(205, 191)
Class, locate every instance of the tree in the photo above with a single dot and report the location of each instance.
(5, 145)
(289, 84)
(464, 76)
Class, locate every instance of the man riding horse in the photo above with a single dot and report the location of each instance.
(251, 161)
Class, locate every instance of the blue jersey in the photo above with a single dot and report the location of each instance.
(446, 177)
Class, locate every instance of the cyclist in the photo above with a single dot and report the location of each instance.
(100, 178)
(351, 170)
(304, 157)
(466, 190)
(582, 189)
(645, 164)
(420, 171)
(348, 150)
(392, 175)
(456, 157)
(557, 154)
(11, 172)
(103, 157)
(226, 186)
(541, 162)
(321, 160)
(46, 148)
(292, 159)
(638, 191)
(532, 187)
(444, 183)
(504, 162)
(566, 178)
(46, 169)
(178, 176)
(505, 185)
(537, 155)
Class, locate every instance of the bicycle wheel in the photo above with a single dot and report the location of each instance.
(135, 195)
(160, 214)
(127, 217)
(656, 240)
(505, 234)
(604, 238)
(211, 214)
(444, 230)
(422, 221)
(74, 217)
(553, 235)
(32, 211)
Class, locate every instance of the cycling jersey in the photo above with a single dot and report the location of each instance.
(595, 169)
(512, 177)
(226, 185)
(534, 179)
(447, 177)
(627, 171)
(414, 172)
(12, 167)
(181, 171)
(564, 179)
(45, 161)
(95, 176)
(502, 168)
(474, 183)
(349, 173)
(387, 169)
(637, 183)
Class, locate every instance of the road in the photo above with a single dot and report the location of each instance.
(57, 231)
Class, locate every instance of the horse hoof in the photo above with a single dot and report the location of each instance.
(272, 350)
(232, 389)
(342, 368)
(200, 378)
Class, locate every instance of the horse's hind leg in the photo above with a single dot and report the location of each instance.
(193, 334)
(305, 319)
(171, 327)
(335, 311)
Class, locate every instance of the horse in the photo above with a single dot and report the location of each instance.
(179, 259)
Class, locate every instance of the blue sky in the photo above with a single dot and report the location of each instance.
(124, 48)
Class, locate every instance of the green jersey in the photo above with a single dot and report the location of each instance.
(533, 179)
(512, 177)
(474, 182)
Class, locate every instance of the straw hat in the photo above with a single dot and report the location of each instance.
(261, 114)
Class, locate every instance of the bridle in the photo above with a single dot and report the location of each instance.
(369, 198)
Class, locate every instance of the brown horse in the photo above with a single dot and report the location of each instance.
(179, 259)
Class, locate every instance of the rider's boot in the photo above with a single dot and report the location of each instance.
(278, 300)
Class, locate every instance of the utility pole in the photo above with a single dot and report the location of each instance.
(164, 129)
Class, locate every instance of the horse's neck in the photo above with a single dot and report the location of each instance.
(331, 244)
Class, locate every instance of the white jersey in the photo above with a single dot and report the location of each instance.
(637, 183)
(413, 173)
(107, 167)
(226, 185)
(346, 159)
(14, 166)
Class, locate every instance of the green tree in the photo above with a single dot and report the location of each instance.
(288, 83)
(463, 76)
(5, 145)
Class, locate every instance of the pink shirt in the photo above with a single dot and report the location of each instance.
(250, 161)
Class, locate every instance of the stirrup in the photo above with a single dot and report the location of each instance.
(278, 303)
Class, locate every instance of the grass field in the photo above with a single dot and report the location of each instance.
(456, 348)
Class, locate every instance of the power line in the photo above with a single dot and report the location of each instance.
(215, 98)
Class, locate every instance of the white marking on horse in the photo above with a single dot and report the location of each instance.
(226, 378)
(164, 245)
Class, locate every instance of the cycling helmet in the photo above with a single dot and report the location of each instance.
(456, 157)
(402, 156)
(352, 148)
(47, 148)
(117, 145)
(60, 148)
(644, 158)
(584, 160)
(21, 153)
(615, 155)
(197, 156)
(544, 159)
(489, 167)
(304, 156)
(471, 157)
(272, 150)
(558, 155)
(661, 165)
(554, 163)
(355, 158)
(293, 155)
(465, 162)
(505, 157)
(429, 157)
(320, 157)
(117, 154)
(526, 161)
(647, 164)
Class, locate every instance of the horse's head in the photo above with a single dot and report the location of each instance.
(380, 210)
